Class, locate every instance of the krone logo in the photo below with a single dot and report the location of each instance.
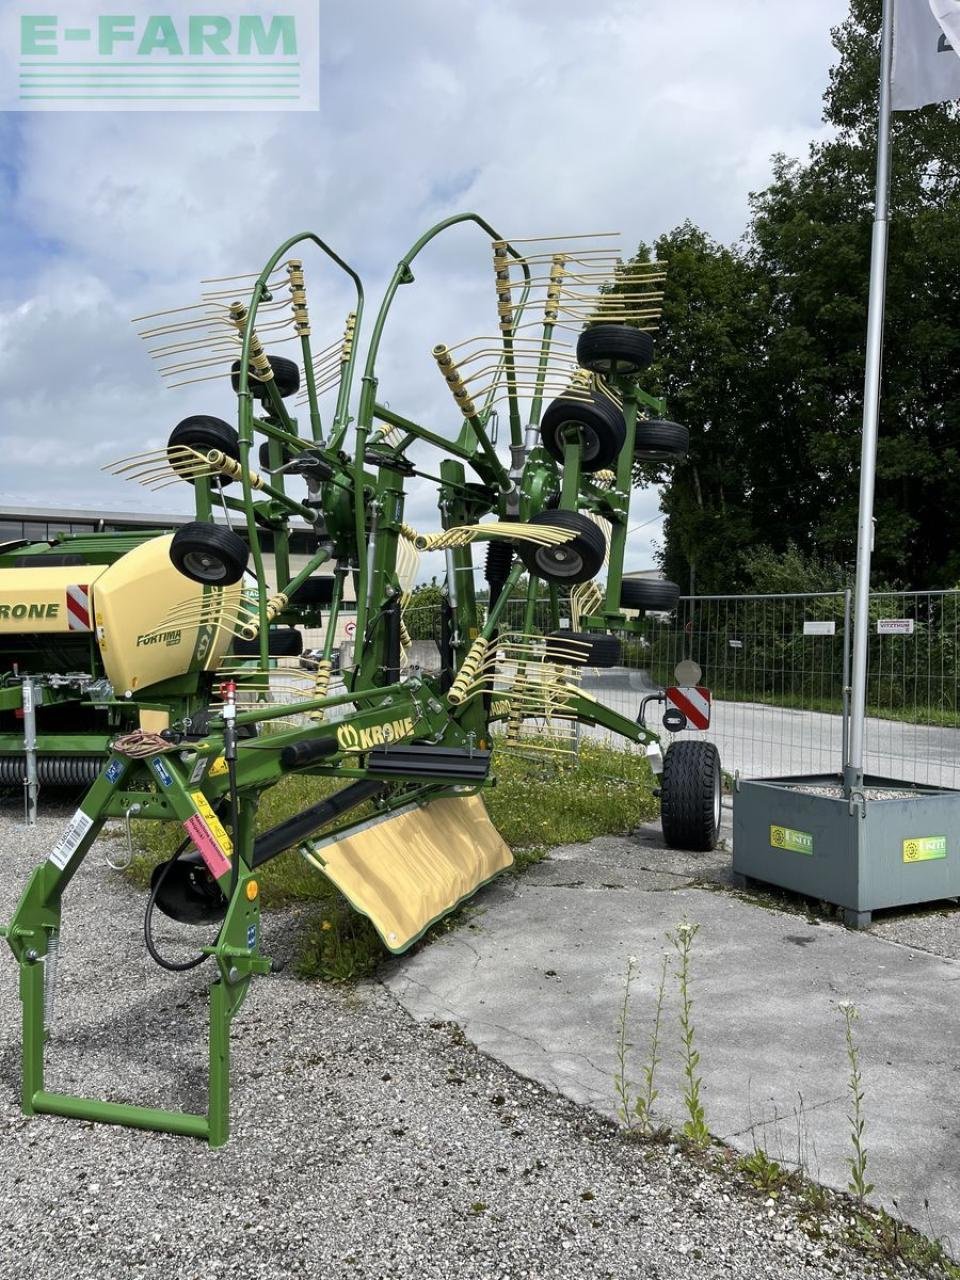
(351, 738)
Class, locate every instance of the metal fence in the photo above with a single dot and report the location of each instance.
(778, 667)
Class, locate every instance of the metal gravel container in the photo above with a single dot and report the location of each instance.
(893, 844)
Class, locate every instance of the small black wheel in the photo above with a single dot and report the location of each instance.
(282, 642)
(264, 455)
(203, 433)
(613, 349)
(314, 591)
(497, 567)
(657, 440)
(691, 793)
(642, 594)
(582, 649)
(567, 563)
(598, 422)
(208, 554)
(286, 375)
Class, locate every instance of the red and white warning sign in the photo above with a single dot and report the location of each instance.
(78, 607)
(350, 630)
(693, 701)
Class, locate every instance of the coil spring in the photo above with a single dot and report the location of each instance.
(457, 692)
(52, 771)
(321, 682)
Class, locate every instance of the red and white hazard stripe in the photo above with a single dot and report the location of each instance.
(78, 607)
(694, 702)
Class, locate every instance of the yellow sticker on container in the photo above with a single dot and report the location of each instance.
(795, 841)
(924, 848)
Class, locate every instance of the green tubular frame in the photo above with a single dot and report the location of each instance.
(361, 508)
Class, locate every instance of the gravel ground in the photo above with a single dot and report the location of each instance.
(363, 1143)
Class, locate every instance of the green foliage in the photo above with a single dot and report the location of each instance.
(857, 1162)
(535, 805)
(761, 352)
(422, 614)
(763, 1174)
(695, 1127)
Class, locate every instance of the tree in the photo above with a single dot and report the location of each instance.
(762, 351)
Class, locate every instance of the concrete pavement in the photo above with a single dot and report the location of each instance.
(535, 978)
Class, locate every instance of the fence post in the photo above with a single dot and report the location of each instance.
(845, 691)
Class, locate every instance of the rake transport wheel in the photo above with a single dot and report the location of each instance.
(640, 593)
(691, 791)
(208, 554)
(286, 375)
(571, 562)
(660, 441)
(203, 433)
(598, 422)
(582, 649)
(614, 349)
(282, 642)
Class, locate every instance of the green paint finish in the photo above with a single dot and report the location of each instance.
(360, 489)
(795, 841)
(924, 848)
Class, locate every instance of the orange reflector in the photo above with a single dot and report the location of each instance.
(252, 890)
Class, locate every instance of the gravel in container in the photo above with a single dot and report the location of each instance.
(363, 1144)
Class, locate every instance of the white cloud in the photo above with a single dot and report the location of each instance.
(544, 117)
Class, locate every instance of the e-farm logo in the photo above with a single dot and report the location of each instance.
(177, 57)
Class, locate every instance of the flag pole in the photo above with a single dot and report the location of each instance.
(853, 766)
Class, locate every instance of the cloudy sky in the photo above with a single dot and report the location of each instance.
(545, 116)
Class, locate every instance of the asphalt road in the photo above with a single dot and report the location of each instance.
(763, 741)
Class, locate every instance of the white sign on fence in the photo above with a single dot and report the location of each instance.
(895, 626)
(812, 628)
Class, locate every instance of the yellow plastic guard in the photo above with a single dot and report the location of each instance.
(407, 869)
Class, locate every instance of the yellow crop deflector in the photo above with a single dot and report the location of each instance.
(407, 869)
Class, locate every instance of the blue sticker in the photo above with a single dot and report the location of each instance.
(114, 770)
(251, 937)
(162, 772)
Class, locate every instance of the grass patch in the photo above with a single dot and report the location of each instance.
(535, 805)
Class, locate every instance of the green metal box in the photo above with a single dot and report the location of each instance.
(894, 844)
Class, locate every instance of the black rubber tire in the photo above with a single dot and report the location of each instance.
(582, 649)
(314, 591)
(642, 594)
(599, 422)
(286, 375)
(570, 562)
(497, 567)
(657, 440)
(282, 642)
(691, 792)
(612, 349)
(208, 554)
(203, 433)
(264, 455)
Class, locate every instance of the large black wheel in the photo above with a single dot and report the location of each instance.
(264, 455)
(643, 594)
(282, 642)
(582, 649)
(598, 423)
(203, 433)
(691, 791)
(567, 563)
(208, 554)
(286, 375)
(613, 349)
(657, 440)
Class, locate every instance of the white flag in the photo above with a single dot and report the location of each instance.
(926, 65)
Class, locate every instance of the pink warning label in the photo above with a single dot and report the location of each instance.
(201, 835)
